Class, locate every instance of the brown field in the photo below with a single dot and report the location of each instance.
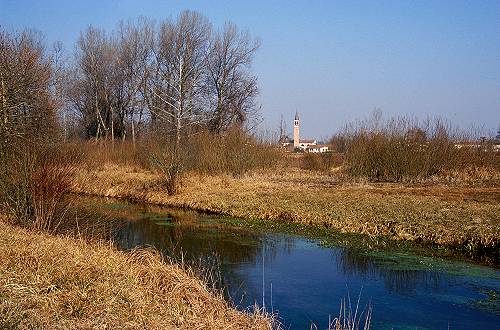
(66, 283)
(454, 216)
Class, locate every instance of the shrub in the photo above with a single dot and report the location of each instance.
(322, 162)
(234, 153)
(403, 149)
(33, 183)
(171, 163)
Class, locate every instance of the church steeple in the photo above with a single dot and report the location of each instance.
(296, 130)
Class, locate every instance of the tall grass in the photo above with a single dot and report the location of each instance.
(97, 154)
(405, 149)
(67, 283)
(349, 319)
(234, 153)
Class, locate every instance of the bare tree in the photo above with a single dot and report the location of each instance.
(231, 88)
(175, 81)
(26, 105)
(132, 45)
(186, 78)
(91, 90)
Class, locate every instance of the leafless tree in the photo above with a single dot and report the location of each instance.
(26, 105)
(231, 88)
(186, 78)
(175, 80)
(132, 45)
(90, 93)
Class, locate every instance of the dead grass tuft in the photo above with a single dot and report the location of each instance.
(60, 283)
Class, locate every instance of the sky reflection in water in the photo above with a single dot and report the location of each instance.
(309, 281)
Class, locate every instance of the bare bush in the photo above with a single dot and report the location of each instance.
(171, 163)
(51, 179)
(96, 155)
(33, 176)
(322, 162)
(234, 153)
(26, 107)
(34, 184)
(404, 149)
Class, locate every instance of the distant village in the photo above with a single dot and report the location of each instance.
(312, 145)
(306, 145)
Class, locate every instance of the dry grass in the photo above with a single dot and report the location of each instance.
(61, 283)
(462, 217)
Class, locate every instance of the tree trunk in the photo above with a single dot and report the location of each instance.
(133, 133)
(112, 128)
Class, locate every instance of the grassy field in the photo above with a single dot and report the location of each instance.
(66, 283)
(464, 217)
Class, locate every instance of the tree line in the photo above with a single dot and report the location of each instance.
(175, 77)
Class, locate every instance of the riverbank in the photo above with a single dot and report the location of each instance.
(459, 217)
(59, 282)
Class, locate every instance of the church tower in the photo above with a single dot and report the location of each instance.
(296, 138)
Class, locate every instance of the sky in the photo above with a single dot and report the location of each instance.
(332, 61)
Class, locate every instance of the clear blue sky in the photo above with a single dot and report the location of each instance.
(333, 61)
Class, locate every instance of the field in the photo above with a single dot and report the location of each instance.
(460, 217)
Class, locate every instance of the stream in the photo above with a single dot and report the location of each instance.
(303, 282)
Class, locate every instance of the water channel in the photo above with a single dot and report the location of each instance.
(304, 282)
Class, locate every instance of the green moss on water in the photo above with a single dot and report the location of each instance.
(402, 261)
(490, 303)
(116, 206)
(329, 237)
(165, 223)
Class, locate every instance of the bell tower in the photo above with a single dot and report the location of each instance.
(296, 136)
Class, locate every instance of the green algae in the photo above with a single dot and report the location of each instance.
(401, 261)
(491, 303)
(400, 254)
(165, 223)
(116, 206)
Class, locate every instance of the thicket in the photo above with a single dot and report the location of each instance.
(235, 153)
(34, 176)
(178, 95)
(321, 162)
(405, 149)
(181, 87)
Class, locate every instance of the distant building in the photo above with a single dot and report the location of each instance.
(302, 145)
(296, 131)
(318, 148)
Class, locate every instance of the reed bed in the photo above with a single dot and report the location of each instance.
(66, 283)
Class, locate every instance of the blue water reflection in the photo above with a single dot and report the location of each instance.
(304, 282)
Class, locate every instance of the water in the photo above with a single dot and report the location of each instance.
(304, 282)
